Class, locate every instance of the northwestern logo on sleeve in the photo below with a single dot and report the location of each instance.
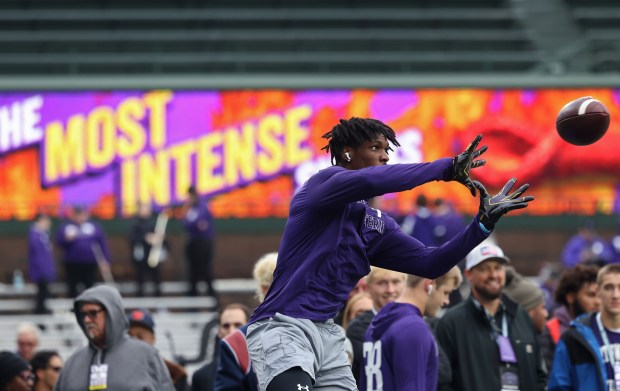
(374, 223)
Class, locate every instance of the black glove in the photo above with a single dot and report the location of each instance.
(492, 208)
(462, 163)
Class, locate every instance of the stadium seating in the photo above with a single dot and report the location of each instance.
(599, 21)
(177, 333)
(356, 36)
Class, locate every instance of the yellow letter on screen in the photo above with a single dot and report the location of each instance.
(296, 133)
(207, 160)
(128, 188)
(154, 178)
(156, 102)
(101, 137)
(132, 139)
(181, 154)
(64, 151)
(270, 160)
(239, 154)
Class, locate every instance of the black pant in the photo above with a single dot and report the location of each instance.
(199, 252)
(142, 268)
(43, 294)
(76, 273)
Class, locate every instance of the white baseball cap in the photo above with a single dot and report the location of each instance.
(484, 252)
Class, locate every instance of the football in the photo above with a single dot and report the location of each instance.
(583, 121)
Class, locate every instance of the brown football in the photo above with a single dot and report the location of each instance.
(583, 121)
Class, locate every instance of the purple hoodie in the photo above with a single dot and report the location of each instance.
(577, 245)
(41, 265)
(80, 249)
(196, 215)
(332, 237)
(400, 351)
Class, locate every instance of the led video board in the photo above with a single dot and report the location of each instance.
(247, 151)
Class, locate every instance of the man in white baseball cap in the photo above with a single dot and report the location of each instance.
(483, 252)
(510, 359)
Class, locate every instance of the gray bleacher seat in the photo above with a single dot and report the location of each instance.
(599, 21)
(114, 37)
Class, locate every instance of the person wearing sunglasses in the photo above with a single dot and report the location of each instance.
(15, 373)
(112, 360)
(46, 366)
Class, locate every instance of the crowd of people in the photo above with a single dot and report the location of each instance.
(398, 343)
(121, 353)
(85, 254)
(353, 299)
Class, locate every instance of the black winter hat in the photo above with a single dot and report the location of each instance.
(11, 365)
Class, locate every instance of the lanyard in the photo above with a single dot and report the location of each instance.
(491, 319)
(601, 329)
(611, 355)
(504, 325)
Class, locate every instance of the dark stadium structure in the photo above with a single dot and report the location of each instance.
(71, 37)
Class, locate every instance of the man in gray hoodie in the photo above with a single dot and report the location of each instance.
(112, 360)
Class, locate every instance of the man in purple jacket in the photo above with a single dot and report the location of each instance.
(84, 250)
(41, 267)
(332, 237)
(421, 223)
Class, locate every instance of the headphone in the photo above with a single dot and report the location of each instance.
(347, 156)
(429, 289)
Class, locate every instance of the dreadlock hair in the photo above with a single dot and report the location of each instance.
(353, 133)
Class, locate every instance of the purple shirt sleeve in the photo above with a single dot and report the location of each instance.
(398, 251)
(332, 237)
(338, 186)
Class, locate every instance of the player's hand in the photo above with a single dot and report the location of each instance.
(462, 163)
(492, 208)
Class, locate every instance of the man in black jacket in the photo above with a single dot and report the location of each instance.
(490, 341)
(142, 238)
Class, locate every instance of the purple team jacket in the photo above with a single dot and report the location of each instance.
(193, 217)
(41, 265)
(332, 237)
(80, 249)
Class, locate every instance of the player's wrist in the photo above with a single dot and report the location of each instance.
(486, 225)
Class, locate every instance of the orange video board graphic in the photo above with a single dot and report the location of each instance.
(247, 151)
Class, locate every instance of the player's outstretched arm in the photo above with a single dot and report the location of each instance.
(492, 208)
(464, 162)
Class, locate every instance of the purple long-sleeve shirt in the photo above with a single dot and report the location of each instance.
(86, 236)
(198, 222)
(400, 352)
(41, 265)
(332, 237)
(579, 249)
